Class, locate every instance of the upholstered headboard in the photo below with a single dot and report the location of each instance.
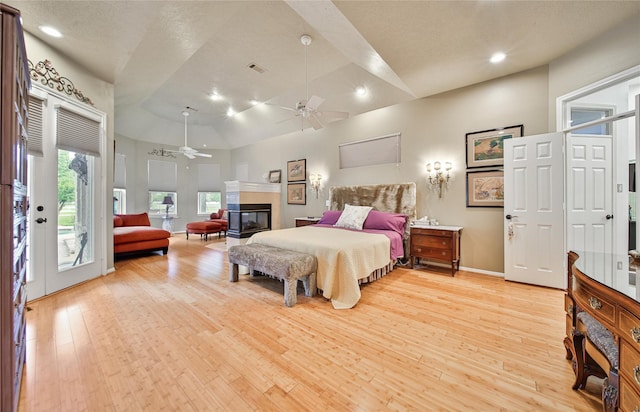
(396, 198)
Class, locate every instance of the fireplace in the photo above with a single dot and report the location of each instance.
(247, 219)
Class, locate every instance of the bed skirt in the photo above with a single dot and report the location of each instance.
(378, 273)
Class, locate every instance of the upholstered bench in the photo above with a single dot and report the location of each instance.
(203, 228)
(600, 355)
(283, 264)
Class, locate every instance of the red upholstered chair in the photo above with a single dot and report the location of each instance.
(221, 218)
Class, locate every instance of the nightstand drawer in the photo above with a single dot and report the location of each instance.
(431, 232)
(429, 252)
(433, 242)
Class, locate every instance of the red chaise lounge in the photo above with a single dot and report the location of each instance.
(133, 233)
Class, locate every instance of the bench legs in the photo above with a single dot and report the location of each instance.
(290, 288)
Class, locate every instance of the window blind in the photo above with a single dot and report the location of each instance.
(120, 172)
(35, 126)
(376, 151)
(209, 177)
(77, 133)
(162, 176)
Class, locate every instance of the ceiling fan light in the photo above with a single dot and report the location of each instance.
(51, 31)
(497, 57)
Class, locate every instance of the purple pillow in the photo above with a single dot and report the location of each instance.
(386, 221)
(330, 217)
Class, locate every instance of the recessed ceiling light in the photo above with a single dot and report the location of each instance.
(361, 91)
(230, 112)
(50, 31)
(497, 57)
(254, 102)
(215, 96)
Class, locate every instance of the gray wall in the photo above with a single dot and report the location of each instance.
(136, 156)
(432, 128)
(101, 94)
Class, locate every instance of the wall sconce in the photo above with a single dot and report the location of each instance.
(168, 200)
(315, 179)
(438, 180)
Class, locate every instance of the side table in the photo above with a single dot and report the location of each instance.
(305, 221)
(167, 223)
(439, 243)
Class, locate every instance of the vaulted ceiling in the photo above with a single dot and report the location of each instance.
(163, 56)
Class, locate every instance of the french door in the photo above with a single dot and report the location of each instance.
(66, 212)
(533, 210)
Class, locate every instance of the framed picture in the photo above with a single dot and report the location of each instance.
(297, 170)
(486, 148)
(274, 176)
(297, 193)
(485, 188)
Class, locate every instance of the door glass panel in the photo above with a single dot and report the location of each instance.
(75, 209)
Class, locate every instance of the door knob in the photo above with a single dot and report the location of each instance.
(509, 217)
(41, 220)
(609, 217)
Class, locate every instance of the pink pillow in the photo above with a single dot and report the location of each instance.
(386, 221)
(330, 217)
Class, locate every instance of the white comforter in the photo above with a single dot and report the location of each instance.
(344, 256)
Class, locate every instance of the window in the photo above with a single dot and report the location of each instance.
(209, 202)
(156, 207)
(580, 115)
(119, 201)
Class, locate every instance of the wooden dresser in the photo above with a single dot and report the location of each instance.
(14, 86)
(439, 243)
(614, 303)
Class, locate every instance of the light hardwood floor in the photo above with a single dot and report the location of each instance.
(171, 333)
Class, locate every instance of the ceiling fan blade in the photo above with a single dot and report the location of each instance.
(332, 116)
(315, 122)
(282, 107)
(201, 154)
(314, 103)
(189, 155)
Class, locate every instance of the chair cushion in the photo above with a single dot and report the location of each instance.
(601, 338)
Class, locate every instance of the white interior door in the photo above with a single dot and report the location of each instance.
(65, 213)
(590, 200)
(533, 210)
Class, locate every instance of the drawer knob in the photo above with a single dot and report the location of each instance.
(636, 374)
(570, 309)
(595, 303)
(635, 334)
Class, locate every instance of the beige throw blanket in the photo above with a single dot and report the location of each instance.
(344, 256)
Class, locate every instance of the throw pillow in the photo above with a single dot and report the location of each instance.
(353, 217)
(329, 217)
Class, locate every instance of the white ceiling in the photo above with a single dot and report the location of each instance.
(165, 55)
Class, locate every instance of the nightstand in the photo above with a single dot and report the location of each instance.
(306, 221)
(439, 243)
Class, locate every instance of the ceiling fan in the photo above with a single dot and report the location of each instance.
(186, 150)
(308, 108)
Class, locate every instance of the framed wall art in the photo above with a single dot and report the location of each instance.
(297, 193)
(486, 148)
(275, 176)
(297, 170)
(485, 188)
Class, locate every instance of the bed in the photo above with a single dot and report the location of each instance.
(348, 257)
